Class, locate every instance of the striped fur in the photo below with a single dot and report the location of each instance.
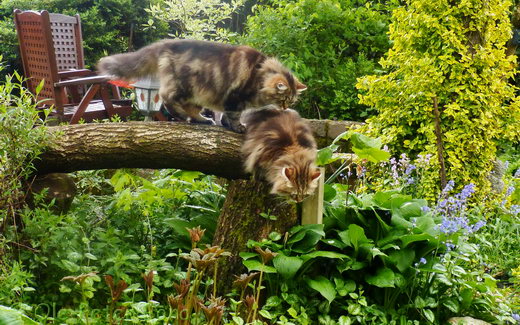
(280, 147)
(196, 74)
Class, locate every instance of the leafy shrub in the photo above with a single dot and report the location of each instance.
(196, 19)
(328, 44)
(449, 56)
(23, 139)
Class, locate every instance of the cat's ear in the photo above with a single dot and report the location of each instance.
(316, 174)
(281, 87)
(300, 87)
(288, 172)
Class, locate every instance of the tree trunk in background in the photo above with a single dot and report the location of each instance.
(240, 221)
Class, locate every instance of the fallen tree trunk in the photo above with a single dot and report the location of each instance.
(209, 149)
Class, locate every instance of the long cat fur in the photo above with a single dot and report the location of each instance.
(279, 146)
(196, 74)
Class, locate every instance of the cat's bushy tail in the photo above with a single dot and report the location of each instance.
(131, 65)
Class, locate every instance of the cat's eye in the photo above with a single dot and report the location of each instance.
(281, 86)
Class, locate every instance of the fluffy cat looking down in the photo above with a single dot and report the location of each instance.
(196, 74)
(280, 147)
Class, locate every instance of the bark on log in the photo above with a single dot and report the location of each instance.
(240, 221)
(209, 149)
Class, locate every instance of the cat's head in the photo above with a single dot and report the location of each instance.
(278, 85)
(296, 180)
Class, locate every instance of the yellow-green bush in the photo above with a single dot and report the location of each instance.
(452, 51)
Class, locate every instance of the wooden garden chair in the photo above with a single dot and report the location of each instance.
(52, 50)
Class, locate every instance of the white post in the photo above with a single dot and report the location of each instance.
(312, 207)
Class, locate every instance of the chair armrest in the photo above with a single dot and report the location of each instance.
(82, 81)
(75, 73)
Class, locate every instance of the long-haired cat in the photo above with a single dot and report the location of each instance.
(280, 147)
(196, 74)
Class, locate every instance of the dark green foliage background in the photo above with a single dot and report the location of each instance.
(106, 26)
(328, 44)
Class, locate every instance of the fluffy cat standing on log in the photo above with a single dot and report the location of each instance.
(280, 147)
(196, 74)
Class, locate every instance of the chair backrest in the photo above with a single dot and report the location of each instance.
(68, 44)
(37, 51)
(49, 43)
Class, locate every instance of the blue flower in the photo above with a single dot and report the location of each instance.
(517, 173)
(449, 246)
(422, 260)
(516, 317)
(409, 169)
(448, 187)
(515, 209)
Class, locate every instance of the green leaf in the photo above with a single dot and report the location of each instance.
(247, 255)
(452, 304)
(371, 154)
(275, 236)
(10, 316)
(430, 316)
(467, 298)
(402, 259)
(383, 199)
(408, 239)
(384, 278)
(265, 314)
(362, 141)
(329, 192)
(323, 286)
(353, 236)
(325, 156)
(40, 85)
(291, 311)
(254, 265)
(90, 256)
(238, 320)
(326, 254)
(287, 266)
(305, 237)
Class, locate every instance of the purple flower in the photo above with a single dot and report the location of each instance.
(409, 169)
(478, 225)
(410, 180)
(510, 190)
(448, 187)
(517, 173)
(425, 208)
(450, 246)
(516, 317)
(515, 209)
(421, 261)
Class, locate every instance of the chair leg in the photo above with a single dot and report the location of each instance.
(82, 107)
(107, 102)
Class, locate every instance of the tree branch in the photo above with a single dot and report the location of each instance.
(209, 149)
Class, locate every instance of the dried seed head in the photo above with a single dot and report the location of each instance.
(196, 234)
(243, 280)
(266, 254)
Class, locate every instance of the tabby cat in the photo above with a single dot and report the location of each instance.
(279, 146)
(196, 74)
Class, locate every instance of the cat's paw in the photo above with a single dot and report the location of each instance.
(204, 121)
(233, 125)
(238, 128)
